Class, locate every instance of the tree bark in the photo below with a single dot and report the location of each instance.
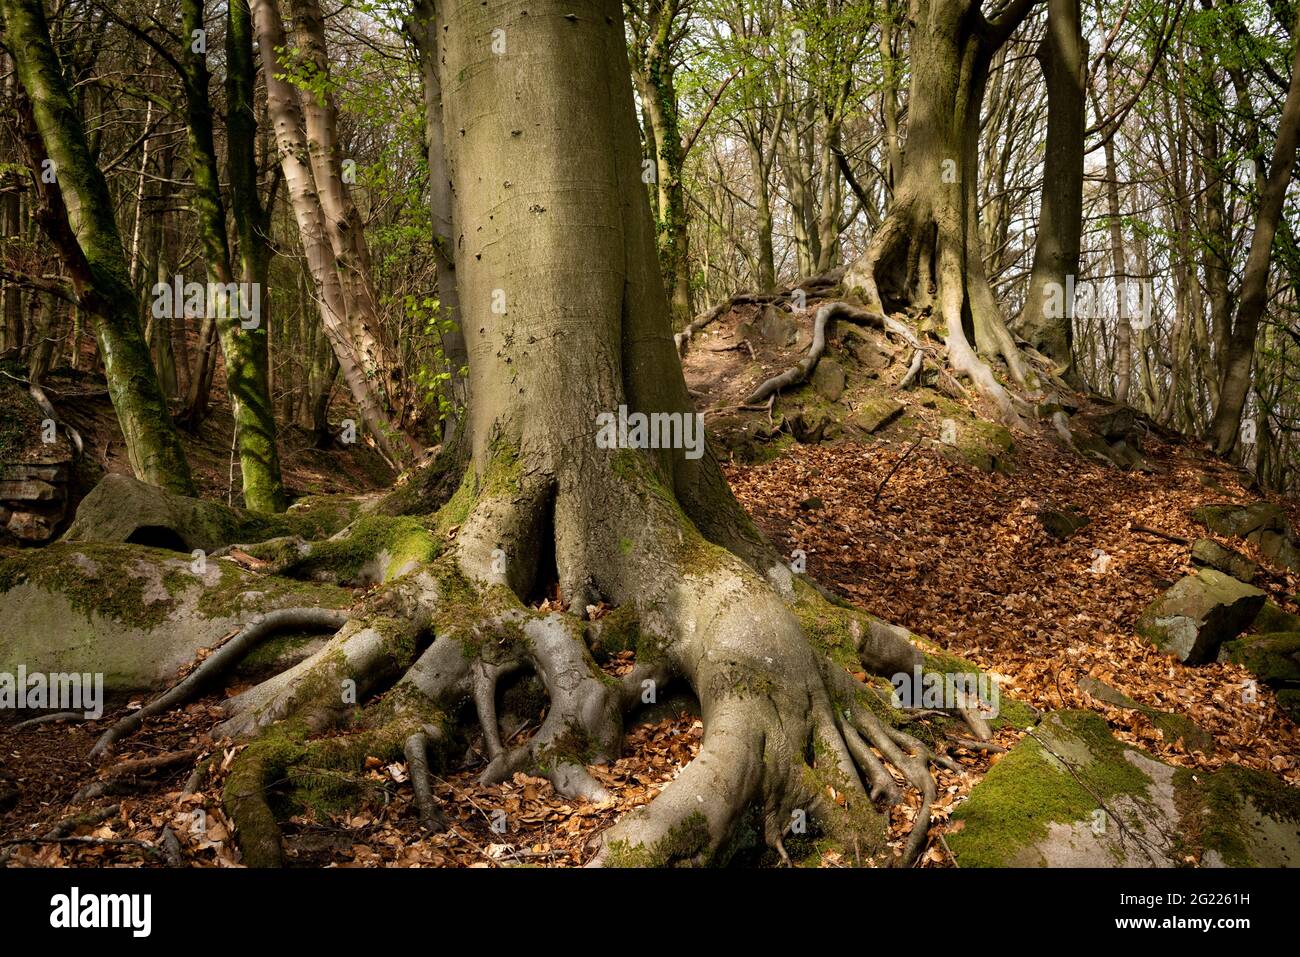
(655, 73)
(246, 348)
(357, 363)
(80, 221)
(342, 221)
(1123, 331)
(1062, 55)
(423, 29)
(926, 254)
(1235, 384)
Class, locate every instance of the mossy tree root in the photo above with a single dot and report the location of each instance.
(788, 729)
(244, 797)
(224, 658)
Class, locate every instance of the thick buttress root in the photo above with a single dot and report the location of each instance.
(921, 262)
(583, 725)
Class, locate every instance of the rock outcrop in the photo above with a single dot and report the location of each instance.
(1200, 613)
(135, 615)
(1071, 795)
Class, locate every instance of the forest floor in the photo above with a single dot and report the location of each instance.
(928, 540)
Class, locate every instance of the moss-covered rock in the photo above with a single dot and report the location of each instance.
(1174, 727)
(776, 326)
(1278, 547)
(1208, 553)
(1237, 817)
(1062, 523)
(985, 445)
(372, 550)
(123, 509)
(1038, 806)
(1273, 658)
(875, 413)
(1273, 618)
(1071, 795)
(829, 380)
(1092, 446)
(1195, 617)
(1240, 520)
(1261, 523)
(135, 614)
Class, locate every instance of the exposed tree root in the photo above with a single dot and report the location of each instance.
(827, 313)
(65, 827)
(788, 730)
(416, 750)
(50, 719)
(227, 656)
(809, 286)
(922, 260)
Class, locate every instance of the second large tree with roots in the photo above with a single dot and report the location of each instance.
(566, 318)
(926, 254)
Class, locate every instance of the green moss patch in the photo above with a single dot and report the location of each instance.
(1032, 787)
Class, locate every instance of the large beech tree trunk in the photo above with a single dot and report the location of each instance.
(926, 254)
(566, 318)
(79, 218)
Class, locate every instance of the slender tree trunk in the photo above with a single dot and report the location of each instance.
(11, 294)
(889, 97)
(655, 75)
(11, 227)
(1235, 384)
(760, 167)
(357, 364)
(1062, 55)
(81, 210)
(343, 225)
(1123, 331)
(799, 195)
(244, 343)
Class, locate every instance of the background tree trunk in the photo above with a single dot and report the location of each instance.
(927, 251)
(423, 29)
(1254, 284)
(1062, 55)
(99, 269)
(246, 347)
(358, 365)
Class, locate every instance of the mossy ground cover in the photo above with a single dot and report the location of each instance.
(1032, 787)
